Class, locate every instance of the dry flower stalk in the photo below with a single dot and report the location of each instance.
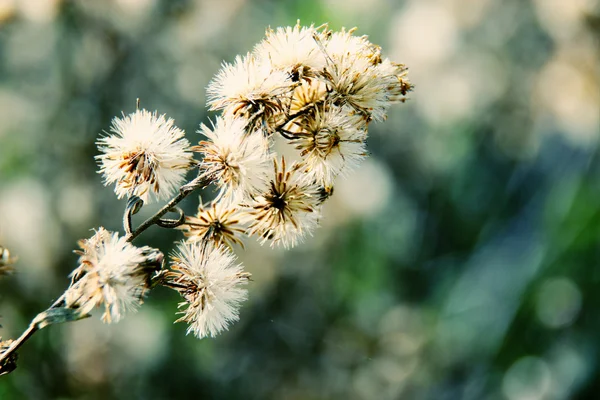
(316, 89)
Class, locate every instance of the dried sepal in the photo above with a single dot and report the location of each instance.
(325, 192)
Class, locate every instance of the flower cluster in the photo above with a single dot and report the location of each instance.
(309, 88)
(305, 87)
(315, 90)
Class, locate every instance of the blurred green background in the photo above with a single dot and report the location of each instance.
(459, 262)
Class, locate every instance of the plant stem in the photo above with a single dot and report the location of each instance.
(17, 343)
(184, 191)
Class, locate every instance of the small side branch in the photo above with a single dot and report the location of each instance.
(184, 191)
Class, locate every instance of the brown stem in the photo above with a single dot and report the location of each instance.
(184, 191)
(17, 343)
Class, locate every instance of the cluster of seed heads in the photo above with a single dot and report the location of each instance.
(307, 91)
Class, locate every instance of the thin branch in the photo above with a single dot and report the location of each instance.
(17, 343)
(184, 191)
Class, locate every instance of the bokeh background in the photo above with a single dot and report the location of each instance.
(461, 261)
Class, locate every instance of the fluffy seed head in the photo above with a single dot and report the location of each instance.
(219, 223)
(310, 94)
(293, 50)
(343, 44)
(287, 209)
(359, 78)
(358, 84)
(233, 160)
(145, 155)
(207, 277)
(331, 142)
(398, 85)
(112, 272)
(250, 89)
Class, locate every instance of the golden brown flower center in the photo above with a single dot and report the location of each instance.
(141, 167)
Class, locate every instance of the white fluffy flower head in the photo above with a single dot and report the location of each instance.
(331, 143)
(219, 222)
(360, 85)
(146, 155)
(292, 49)
(344, 44)
(249, 89)
(233, 160)
(112, 272)
(287, 209)
(210, 282)
(359, 78)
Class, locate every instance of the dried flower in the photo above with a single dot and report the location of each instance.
(249, 89)
(286, 209)
(146, 155)
(218, 223)
(359, 78)
(317, 89)
(343, 44)
(398, 84)
(293, 50)
(233, 160)
(330, 143)
(208, 279)
(308, 96)
(112, 272)
(356, 83)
